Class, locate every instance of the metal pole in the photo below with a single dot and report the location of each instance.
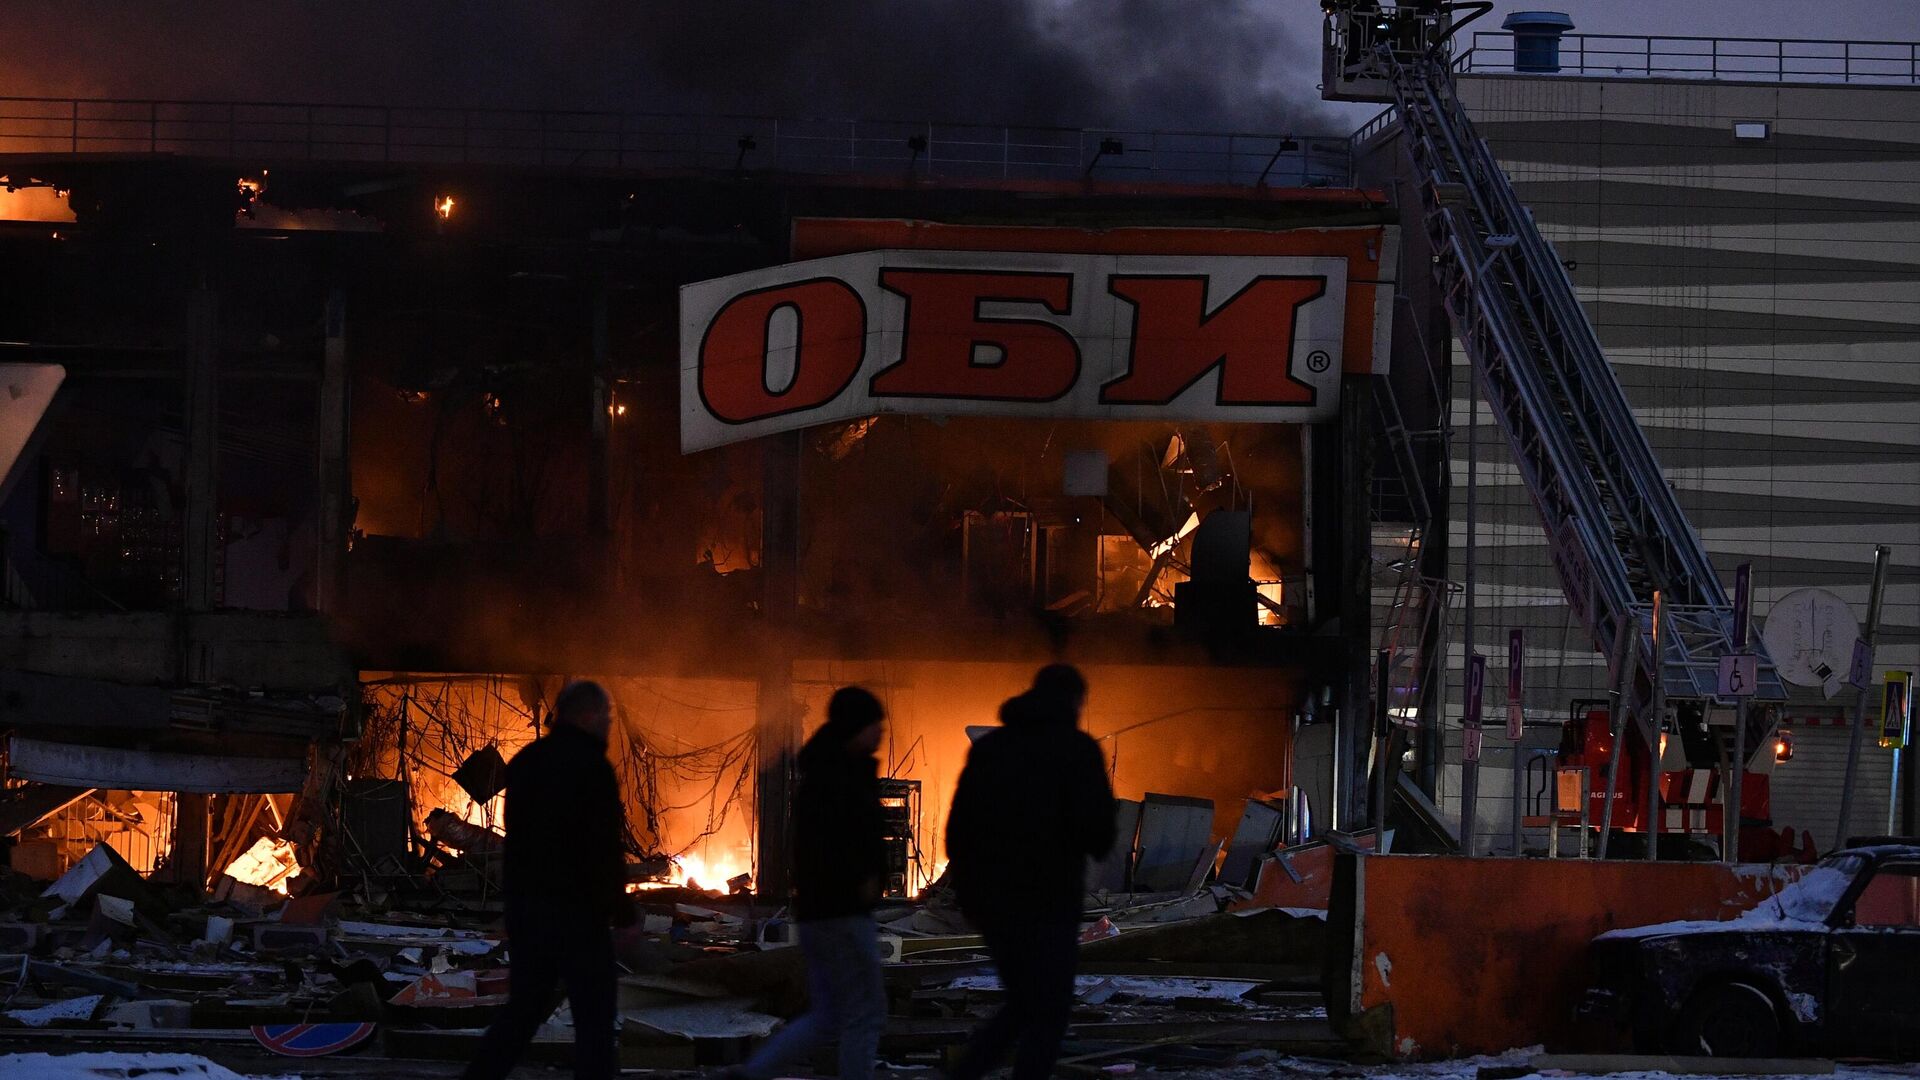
(1732, 801)
(1382, 743)
(1336, 809)
(1881, 554)
(1893, 794)
(1470, 770)
(1586, 808)
(1651, 827)
(1626, 656)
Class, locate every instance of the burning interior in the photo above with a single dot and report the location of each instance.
(445, 476)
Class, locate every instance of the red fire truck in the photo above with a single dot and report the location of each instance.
(1693, 784)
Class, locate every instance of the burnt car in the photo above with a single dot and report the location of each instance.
(1830, 965)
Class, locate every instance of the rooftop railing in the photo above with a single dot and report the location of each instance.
(250, 133)
(1733, 59)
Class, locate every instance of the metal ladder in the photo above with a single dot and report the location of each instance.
(1613, 524)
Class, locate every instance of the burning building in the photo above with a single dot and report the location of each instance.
(358, 456)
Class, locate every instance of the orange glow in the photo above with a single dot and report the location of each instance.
(1266, 576)
(696, 872)
(677, 744)
(487, 815)
(691, 871)
(34, 204)
(268, 864)
(444, 207)
(939, 871)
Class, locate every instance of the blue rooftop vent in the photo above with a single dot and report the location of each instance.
(1536, 39)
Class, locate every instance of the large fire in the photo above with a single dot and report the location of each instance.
(697, 873)
(267, 864)
(690, 871)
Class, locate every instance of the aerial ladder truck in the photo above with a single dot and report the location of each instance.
(1634, 572)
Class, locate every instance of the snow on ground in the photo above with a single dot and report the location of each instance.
(115, 1067)
(1288, 1068)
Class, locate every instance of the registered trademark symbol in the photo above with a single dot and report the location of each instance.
(1318, 360)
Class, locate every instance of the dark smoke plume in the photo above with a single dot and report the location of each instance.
(1163, 64)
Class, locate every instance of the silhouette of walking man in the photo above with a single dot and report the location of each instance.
(566, 883)
(838, 865)
(1032, 806)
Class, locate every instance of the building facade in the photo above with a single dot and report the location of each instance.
(1749, 254)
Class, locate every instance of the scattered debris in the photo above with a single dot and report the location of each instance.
(400, 945)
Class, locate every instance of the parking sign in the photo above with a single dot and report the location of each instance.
(1860, 672)
(1738, 673)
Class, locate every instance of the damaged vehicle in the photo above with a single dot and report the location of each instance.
(1830, 966)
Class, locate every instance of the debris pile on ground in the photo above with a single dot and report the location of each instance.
(1196, 974)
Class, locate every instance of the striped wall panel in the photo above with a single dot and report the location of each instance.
(1761, 305)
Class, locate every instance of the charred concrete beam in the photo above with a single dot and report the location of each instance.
(240, 648)
(80, 765)
(36, 703)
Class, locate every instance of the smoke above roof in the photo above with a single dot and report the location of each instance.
(1139, 64)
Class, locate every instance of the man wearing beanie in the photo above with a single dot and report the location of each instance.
(839, 861)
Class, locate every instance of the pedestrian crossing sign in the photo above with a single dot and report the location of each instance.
(1896, 709)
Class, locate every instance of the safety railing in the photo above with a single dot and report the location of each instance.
(1734, 59)
(264, 133)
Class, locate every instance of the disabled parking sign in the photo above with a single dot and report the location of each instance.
(1739, 672)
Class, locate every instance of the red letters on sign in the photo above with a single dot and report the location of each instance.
(1175, 341)
(944, 333)
(828, 346)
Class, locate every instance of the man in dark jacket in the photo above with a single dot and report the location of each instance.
(566, 882)
(839, 861)
(1032, 806)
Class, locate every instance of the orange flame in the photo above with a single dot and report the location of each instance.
(690, 871)
(268, 864)
(443, 206)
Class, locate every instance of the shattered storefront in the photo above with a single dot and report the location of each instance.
(333, 500)
(287, 589)
(1187, 545)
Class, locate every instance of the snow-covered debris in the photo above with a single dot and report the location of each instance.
(116, 1067)
(1802, 905)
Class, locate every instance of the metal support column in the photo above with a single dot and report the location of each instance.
(1382, 741)
(1626, 663)
(1655, 724)
(1355, 594)
(1470, 770)
(188, 860)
